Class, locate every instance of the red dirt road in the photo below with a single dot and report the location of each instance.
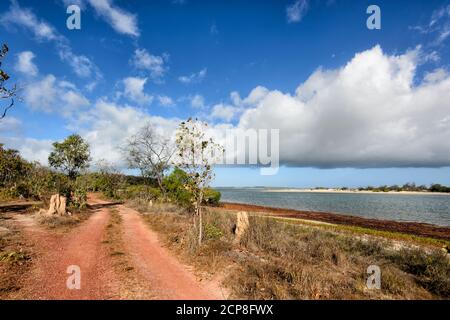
(164, 274)
(160, 274)
(81, 247)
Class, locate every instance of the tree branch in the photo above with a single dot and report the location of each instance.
(7, 108)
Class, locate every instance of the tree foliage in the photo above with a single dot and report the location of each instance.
(70, 156)
(12, 167)
(108, 179)
(22, 179)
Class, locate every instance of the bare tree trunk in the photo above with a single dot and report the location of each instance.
(199, 208)
(161, 186)
(200, 225)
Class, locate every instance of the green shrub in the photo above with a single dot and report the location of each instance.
(175, 188)
(212, 232)
(174, 185)
(141, 192)
(212, 197)
(78, 198)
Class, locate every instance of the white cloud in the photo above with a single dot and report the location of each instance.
(134, 90)
(27, 19)
(42, 94)
(197, 101)
(165, 101)
(368, 113)
(80, 64)
(296, 11)
(25, 63)
(439, 25)
(50, 95)
(79, 3)
(224, 112)
(120, 20)
(436, 75)
(194, 77)
(143, 60)
(43, 31)
(9, 125)
(74, 99)
(108, 126)
(29, 148)
(371, 112)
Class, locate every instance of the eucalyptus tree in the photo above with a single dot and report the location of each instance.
(151, 153)
(196, 155)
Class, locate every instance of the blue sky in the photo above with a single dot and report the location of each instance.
(288, 65)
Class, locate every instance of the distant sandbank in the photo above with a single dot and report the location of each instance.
(356, 191)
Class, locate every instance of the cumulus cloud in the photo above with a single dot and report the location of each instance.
(195, 77)
(372, 112)
(74, 99)
(120, 20)
(224, 112)
(25, 63)
(29, 148)
(197, 101)
(155, 65)
(41, 95)
(368, 113)
(48, 94)
(107, 126)
(134, 90)
(436, 75)
(296, 11)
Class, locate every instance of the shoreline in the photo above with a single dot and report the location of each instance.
(357, 191)
(413, 228)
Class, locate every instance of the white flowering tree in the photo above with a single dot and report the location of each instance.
(5, 93)
(197, 154)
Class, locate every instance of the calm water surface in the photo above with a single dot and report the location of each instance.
(434, 209)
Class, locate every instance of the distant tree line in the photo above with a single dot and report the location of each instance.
(407, 187)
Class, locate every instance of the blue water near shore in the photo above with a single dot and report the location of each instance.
(434, 209)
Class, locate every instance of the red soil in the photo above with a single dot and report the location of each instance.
(164, 274)
(158, 271)
(83, 247)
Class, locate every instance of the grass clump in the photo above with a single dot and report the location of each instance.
(62, 222)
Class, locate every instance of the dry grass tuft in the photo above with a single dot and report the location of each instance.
(280, 260)
(62, 222)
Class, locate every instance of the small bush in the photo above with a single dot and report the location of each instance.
(431, 270)
(211, 232)
(141, 192)
(15, 257)
(212, 197)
